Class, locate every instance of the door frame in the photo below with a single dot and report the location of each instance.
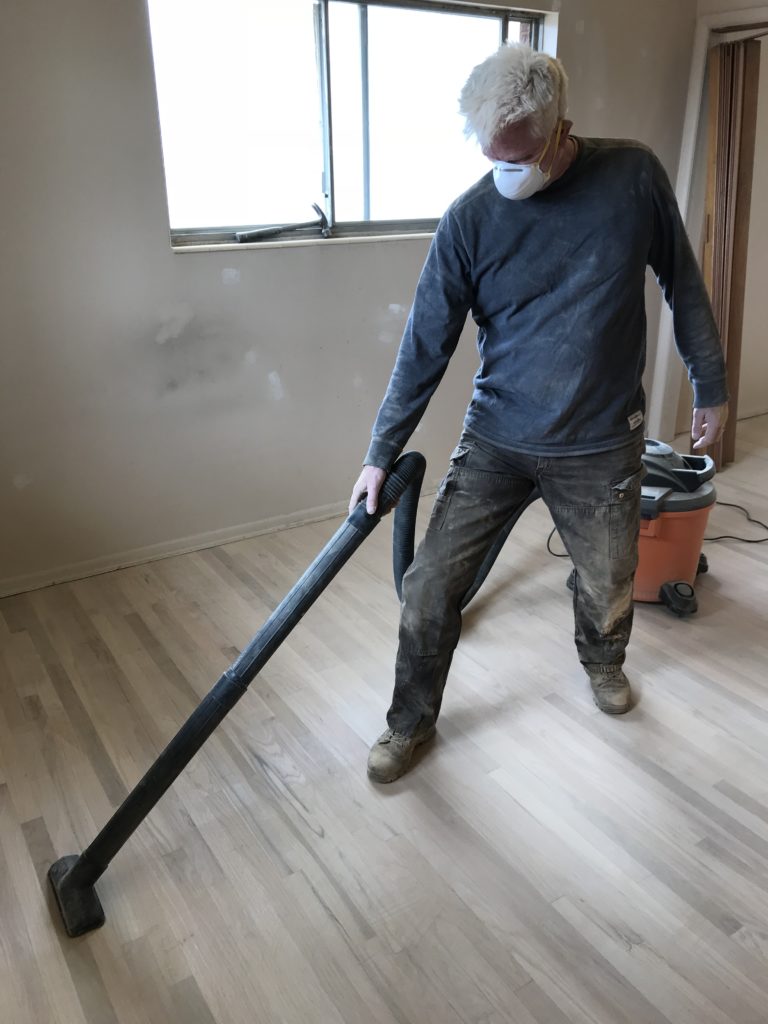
(667, 368)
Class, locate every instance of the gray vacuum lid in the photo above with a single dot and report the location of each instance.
(675, 482)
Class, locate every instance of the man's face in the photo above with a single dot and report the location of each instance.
(515, 144)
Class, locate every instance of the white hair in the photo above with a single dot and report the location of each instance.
(514, 84)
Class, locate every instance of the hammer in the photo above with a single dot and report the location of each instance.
(278, 229)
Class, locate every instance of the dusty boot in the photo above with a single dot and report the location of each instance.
(611, 691)
(391, 754)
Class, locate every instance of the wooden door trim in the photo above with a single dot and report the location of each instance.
(667, 370)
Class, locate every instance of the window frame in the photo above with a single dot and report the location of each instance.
(182, 238)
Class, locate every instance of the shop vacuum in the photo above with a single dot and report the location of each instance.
(677, 496)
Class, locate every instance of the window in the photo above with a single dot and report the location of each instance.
(267, 109)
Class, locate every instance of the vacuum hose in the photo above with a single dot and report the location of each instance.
(73, 877)
(404, 532)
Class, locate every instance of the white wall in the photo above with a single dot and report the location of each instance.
(149, 396)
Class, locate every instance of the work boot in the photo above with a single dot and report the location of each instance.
(611, 691)
(391, 754)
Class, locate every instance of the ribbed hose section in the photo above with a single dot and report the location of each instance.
(404, 532)
(403, 479)
(404, 528)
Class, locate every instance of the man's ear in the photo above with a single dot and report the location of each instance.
(567, 125)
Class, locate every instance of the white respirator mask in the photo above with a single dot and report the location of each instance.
(520, 181)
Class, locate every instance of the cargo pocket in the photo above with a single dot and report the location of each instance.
(447, 487)
(624, 524)
(442, 503)
(460, 452)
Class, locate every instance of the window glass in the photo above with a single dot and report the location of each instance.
(240, 117)
(418, 62)
(243, 122)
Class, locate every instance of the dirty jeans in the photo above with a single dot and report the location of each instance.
(594, 501)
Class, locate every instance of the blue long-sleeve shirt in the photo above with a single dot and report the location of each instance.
(556, 286)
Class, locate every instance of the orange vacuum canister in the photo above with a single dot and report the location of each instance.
(677, 496)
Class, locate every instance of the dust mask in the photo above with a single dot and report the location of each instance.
(520, 181)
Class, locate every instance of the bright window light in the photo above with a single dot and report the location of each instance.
(250, 139)
(240, 112)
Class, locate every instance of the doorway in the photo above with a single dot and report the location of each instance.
(725, 131)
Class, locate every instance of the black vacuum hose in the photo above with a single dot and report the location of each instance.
(404, 528)
(73, 877)
(404, 532)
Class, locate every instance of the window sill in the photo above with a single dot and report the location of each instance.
(294, 243)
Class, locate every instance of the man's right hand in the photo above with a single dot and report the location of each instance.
(369, 482)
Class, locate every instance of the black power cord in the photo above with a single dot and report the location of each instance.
(743, 540)
(549, 549)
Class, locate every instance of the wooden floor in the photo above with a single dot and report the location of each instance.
(542, 863)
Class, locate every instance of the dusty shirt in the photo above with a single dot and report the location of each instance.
(555, 284)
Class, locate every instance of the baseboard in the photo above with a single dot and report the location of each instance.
(153, 552)
(182, 546)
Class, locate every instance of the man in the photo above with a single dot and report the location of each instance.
(549, 252)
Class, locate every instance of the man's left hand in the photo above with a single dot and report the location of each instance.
(708, 425)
